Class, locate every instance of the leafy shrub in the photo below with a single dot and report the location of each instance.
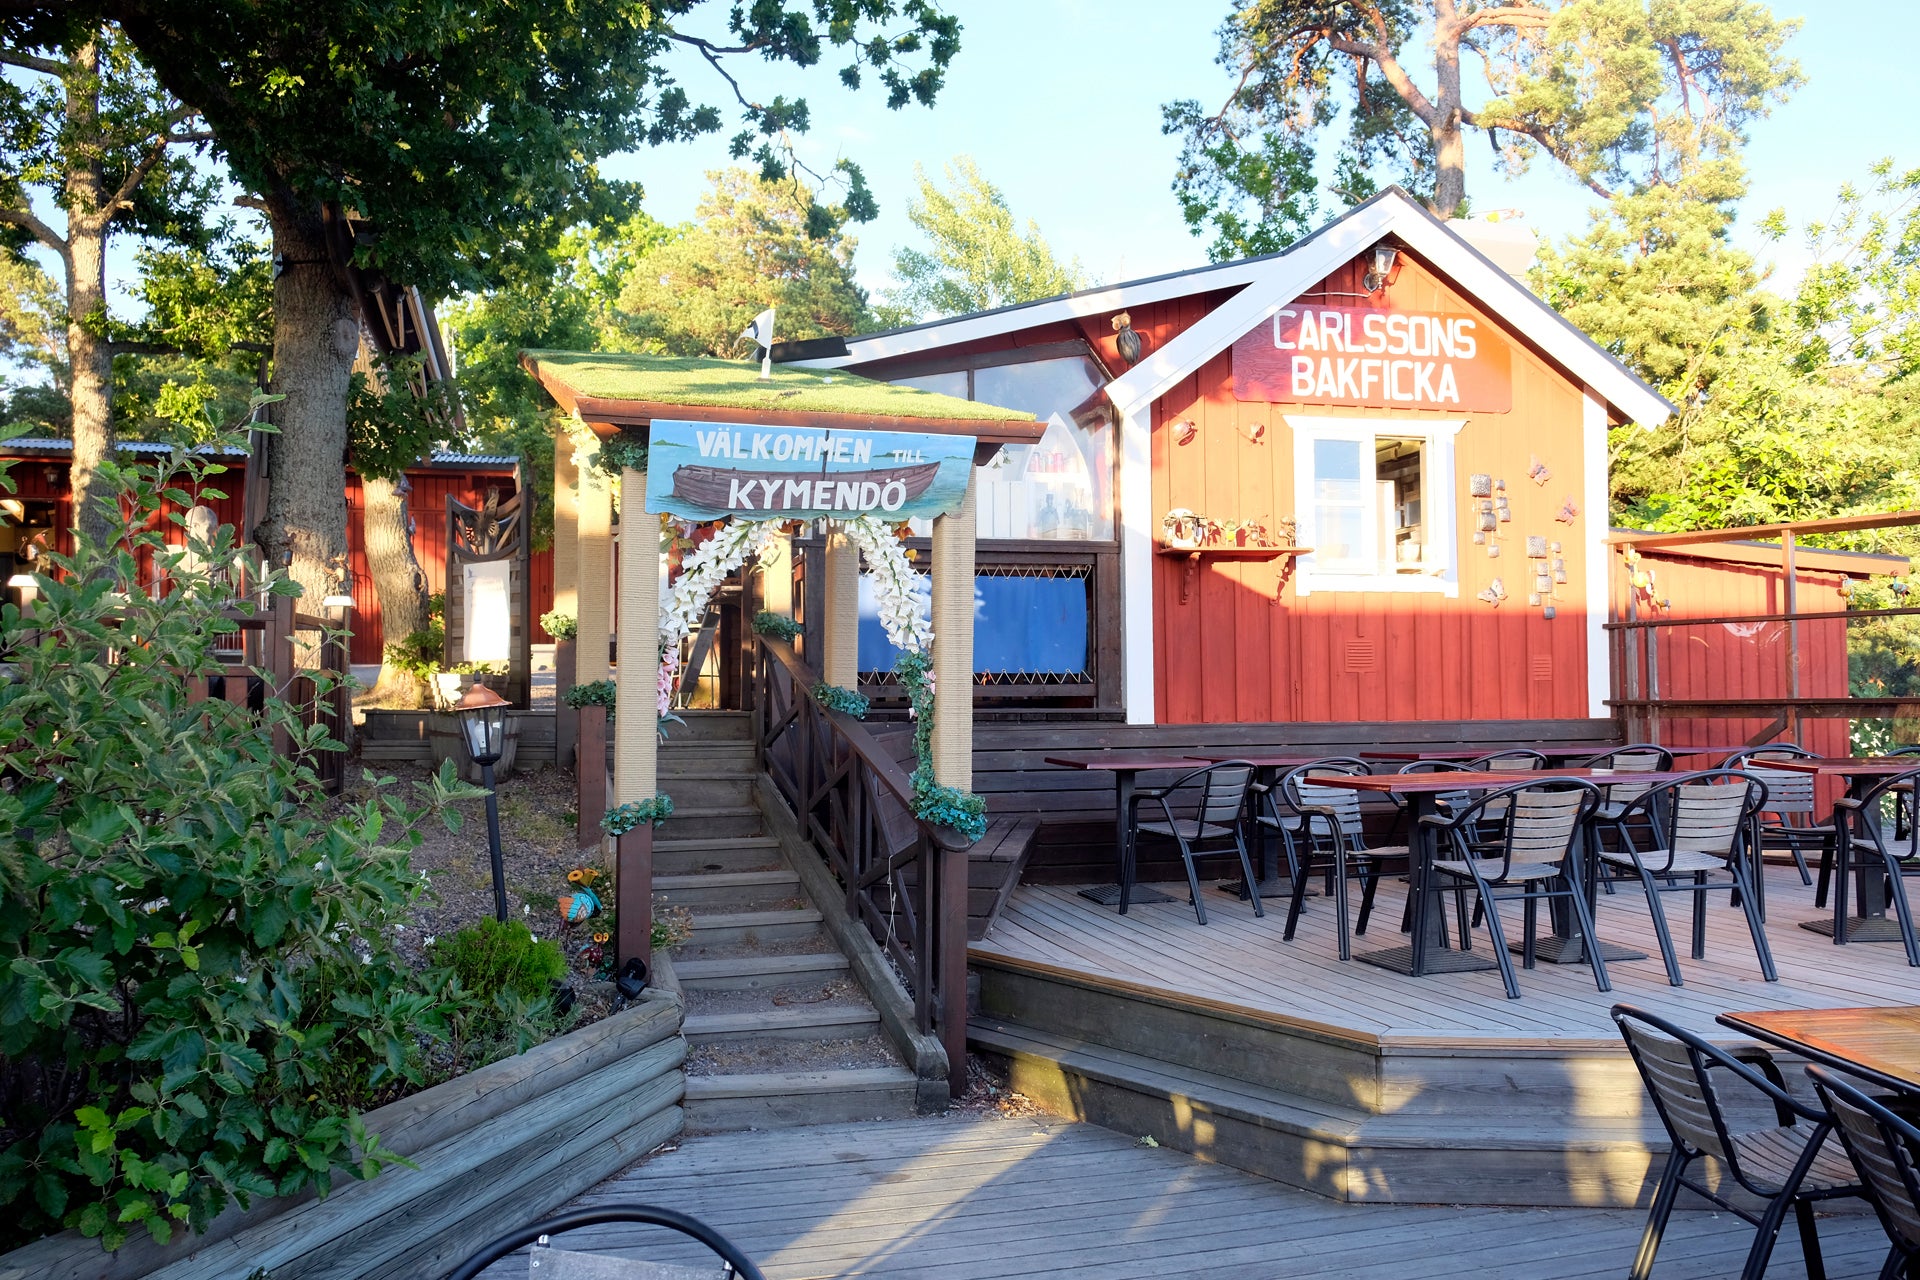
(420, 653)
(594, 693)
(561, 626)
(198, 990)
(501, 955)
(845, 701)
(621, 819)
(779, 626)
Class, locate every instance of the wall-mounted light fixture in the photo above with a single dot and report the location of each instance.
(1385, 259)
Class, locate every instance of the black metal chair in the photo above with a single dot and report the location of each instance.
(1332, 840)
(1512, 758)
(1789, 1166)
(1885, 1149)
(1217, 828)
(1788, 820)
(1703, 826)
(1275, 818)
(1862, 833)
(1523, 853)
(1635, 757)
(737, 1263)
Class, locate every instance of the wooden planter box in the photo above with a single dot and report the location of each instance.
(495, 1149)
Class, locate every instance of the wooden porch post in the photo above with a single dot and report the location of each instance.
(840, 630)
(635, 733)
(594, 567)
(953, 538)
(566, 595)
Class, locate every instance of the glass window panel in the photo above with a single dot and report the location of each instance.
(1341, 507)
(947, 384)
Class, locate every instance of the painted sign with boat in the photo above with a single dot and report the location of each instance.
(707, 470)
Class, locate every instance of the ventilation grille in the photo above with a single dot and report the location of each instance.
(1359, 657)
(1540, 666)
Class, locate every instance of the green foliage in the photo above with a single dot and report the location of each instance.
(33, 322)
(421, 653)
(621, 819)
(845, 701)
(181, 907)
(561, 626)
(594, 693)
(755, 244)
(943, 806)
(494, 957)
(619, 452)
(977, 257)
(395, 413)
(781, 627)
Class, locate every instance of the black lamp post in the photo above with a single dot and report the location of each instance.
(483, 718)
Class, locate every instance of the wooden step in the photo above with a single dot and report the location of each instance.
(786, 1099)
(727, 890)
(1341, 1152)
(748, 927)
(800, 1022)
(679, 856)
(712, 820)
(751, 973)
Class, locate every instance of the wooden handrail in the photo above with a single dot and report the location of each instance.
(905, 880)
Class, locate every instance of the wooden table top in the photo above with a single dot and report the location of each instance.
(1873, 766)
(1264, 760)
(1475, 779)
(1125, 761)
(1881, 1044)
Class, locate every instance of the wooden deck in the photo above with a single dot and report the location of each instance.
(1242, 961)
(969, 1199)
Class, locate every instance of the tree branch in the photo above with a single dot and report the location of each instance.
(1396, 76)
(21, 216)
(711, 52)
(138, 174)
(1540, 136)
(32, 62)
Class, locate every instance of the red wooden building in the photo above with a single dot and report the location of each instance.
(39, 470)
(1417, 442)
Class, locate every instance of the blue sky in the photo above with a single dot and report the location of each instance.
(1059, 103)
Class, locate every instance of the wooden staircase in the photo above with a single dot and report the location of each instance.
(781, 1033)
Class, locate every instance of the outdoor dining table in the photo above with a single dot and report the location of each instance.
(1871, 923)
(1881, 1046)
(1431, 950)
(1126, 767)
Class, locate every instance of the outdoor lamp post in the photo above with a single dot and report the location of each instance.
(483, 718)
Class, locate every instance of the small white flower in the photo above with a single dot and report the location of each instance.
(366, 959)
(525, 910)
(428, 940)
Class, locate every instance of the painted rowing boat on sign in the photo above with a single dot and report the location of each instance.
(876, 489)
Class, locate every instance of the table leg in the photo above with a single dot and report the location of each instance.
(1565, 945)
(1123, 800)
(1869, 885)
(1429, 951)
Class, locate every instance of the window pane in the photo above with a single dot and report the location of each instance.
(1040, 387)
(1400, 469)
(947, 384)
(1034, 624)
(1341, 503)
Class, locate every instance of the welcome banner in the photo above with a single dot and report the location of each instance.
(706, 470)
(1376, 359)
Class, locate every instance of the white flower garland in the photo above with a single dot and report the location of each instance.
(701, 574)
(901, 592)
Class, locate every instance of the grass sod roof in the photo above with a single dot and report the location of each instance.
(622, 389)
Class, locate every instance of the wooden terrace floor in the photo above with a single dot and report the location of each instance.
(961, 1198)
(1242, 960)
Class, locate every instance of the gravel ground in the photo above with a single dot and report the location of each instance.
(537, 851)
(752, 1056)
(838, 992)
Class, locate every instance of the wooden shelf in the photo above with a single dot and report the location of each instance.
(1194, 555)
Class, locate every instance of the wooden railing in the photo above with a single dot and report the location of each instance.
(266, 657)
(904, 880)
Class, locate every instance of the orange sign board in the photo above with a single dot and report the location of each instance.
(1372, 358)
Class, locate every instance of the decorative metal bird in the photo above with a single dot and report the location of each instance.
(1129, 343)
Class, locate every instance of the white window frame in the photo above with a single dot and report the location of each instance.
(1441, 575)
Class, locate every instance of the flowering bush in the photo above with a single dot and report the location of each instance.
(200, 988)
(701, 574)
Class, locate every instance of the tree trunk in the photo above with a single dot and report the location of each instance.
(91, 354)
(316, 332)
(1450, 182)
(398, 581)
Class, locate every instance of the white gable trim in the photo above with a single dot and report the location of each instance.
(1318, 256)
(991, 324)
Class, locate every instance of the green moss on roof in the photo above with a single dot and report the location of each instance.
(695, 382)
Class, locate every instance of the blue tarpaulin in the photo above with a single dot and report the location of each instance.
(1034, 625)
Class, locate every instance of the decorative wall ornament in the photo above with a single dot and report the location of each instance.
(1185, 430)
(1538, 472)
(1130, 345)
(1568, 512)
(1479, 485)
(1536, 547)
(1495, 593)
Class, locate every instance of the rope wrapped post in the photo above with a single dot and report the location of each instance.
(594, 569)
(566, 595)
(953, 538)
(636, 736)
(840, 632)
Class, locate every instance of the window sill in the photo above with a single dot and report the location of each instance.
(1310, 581)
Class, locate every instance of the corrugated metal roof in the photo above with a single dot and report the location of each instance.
(45, 446)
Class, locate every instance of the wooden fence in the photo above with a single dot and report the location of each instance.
(904, 880)
(263, 664)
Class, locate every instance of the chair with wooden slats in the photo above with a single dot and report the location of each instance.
(1275, 818)
(1791, 1165)
(1702, 824)
(1635, 757)
(1525, 853)
(1885, 1149)
(1864, 832)
(1217, 828)
(1333, 839)
(1788, 822)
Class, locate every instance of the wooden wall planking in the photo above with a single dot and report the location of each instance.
(1233, 653)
